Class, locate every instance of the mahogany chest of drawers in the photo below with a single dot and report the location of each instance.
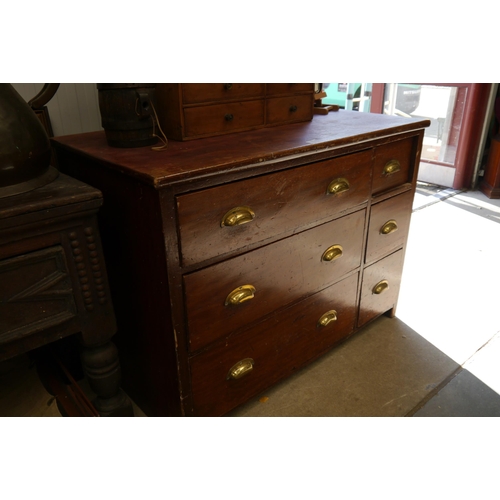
(193, 110)
(235, 260)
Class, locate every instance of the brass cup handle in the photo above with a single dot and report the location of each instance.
(240, 295)
(389, 227)
(380, 287)
(332, 253)
(240, 369)
(391, 167)
(237, 216)
(338, 186)
(327, 318)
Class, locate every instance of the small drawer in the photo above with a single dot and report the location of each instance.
(393, 164)
(389, 224)
(270, 205)
(223, 118)
(380, 288)
(288, 109)
(195, 93)
(226, 297)
(242, 366)
(288, 88)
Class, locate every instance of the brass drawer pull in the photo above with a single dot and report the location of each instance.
(240, 295)
(391, 167)
(380, 287)
(228, 117)
(332, 253)
(327, 318)
(389, 227)
(240, 369)
(237, 216)
(338, 186)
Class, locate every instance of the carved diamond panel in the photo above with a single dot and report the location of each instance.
(35, 293)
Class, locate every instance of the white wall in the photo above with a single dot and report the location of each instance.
(73, 109)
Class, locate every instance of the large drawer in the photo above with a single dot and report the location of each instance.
(269, 205)
(271, 350)
(226, 297)
(389, 224)
(194, 93)
(393, 164)
(380, 289)
(223, 118)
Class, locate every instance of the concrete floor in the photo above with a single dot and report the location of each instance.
(438, 357)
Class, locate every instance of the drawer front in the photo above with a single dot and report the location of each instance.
(380, 288)
(389, 224)
(288, 88)
(276, 348)
(294, 108)
(35, 293)
(223, 118)
(279, 202)
(194, 93)
(393, 164)
(226, 297)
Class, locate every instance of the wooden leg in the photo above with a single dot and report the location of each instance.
(391, 313)
(102, 368)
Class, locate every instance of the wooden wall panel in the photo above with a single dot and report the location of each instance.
(74, 108)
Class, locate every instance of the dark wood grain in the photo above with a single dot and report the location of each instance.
(281, 273)
(224, 154)
(372, 305)
(278, 347)
(403, 151)
(282, 201)
(398, 209)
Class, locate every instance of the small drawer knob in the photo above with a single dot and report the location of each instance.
(327, 318)
(380, 287)
(391, 167)
(332, 253)
(228, 117)
(228, 86)
(293, 109)
(389, 227)
(338, 186)
(240, 295)
(240, 369)
(237, 216)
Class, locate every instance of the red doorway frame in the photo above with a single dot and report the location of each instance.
(470, 131)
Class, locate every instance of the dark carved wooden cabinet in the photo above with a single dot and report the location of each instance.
(235, 260)
(53, 282)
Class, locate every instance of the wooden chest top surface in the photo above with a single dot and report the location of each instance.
(182, 161)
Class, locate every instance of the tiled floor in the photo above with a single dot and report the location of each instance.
(438, 357)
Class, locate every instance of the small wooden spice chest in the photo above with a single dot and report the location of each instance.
(194, 110)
